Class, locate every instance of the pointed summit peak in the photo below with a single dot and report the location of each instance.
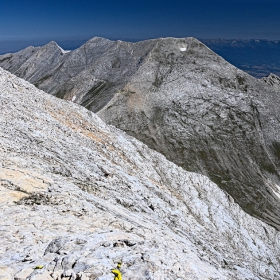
(53, 46)
(98, 39)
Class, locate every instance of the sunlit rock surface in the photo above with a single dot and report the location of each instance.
(179, 98)
(77, 196)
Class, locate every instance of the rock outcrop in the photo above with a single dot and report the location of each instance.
(77, 196)
(179, 98)
(273, 81)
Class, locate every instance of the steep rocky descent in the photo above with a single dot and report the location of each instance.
(208, 117)
(182, 100)
(12, 62)
(273, 81)
(89, 75)
(77, 196)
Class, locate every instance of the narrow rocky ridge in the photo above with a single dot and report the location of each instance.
(179, 98)
(77, 196)
(89, 75)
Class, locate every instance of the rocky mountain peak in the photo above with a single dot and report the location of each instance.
(204, 114)
(51, 44)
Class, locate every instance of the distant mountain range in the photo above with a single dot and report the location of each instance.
(259, 58)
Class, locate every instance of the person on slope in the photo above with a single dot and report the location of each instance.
(116, 272)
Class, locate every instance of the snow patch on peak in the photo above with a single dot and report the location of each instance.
(62, 50)
(53, 44)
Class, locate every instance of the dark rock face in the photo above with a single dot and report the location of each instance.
(209, 117)
(273, 81)
(182, 100)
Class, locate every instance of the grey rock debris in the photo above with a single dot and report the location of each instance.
(77, 196)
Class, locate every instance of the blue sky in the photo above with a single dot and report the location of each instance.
(63, 19)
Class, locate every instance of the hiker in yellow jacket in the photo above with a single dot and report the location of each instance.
(117, 273)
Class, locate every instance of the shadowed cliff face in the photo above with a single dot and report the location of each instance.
(209, 117)
(182, 100)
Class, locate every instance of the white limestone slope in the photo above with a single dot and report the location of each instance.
(77, 196)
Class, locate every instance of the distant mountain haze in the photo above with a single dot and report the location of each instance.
(259, 58)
